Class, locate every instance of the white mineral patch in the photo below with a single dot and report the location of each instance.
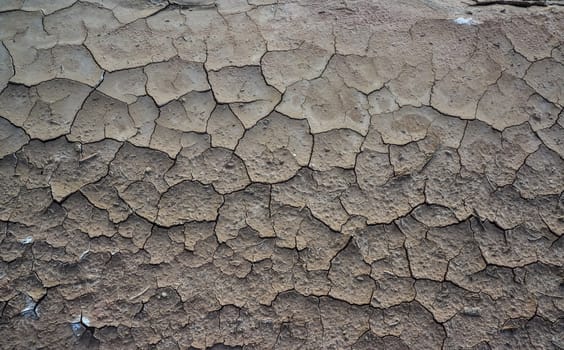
(466, 21)
(26, 240)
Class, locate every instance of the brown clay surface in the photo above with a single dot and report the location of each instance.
(281, 174)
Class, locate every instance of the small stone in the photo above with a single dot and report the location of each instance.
(472, 311)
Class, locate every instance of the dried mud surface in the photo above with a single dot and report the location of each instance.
(281, 174)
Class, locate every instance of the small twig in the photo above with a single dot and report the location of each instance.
(517, 3)
(139, 294)
(88, 157)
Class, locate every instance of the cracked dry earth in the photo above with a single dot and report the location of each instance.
(293, 174)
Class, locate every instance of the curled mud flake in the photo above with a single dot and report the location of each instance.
(460, 90)
(326, 105)
(546, 76)
(337, 148)
(167, 81)
(246, 91)
(188, 201)
(125, 85)
(73, 62)
(283, 68)
(225, 128)
(132, 45)
(12, 138)
(236, 41)
(190, 113)
(6, 67)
